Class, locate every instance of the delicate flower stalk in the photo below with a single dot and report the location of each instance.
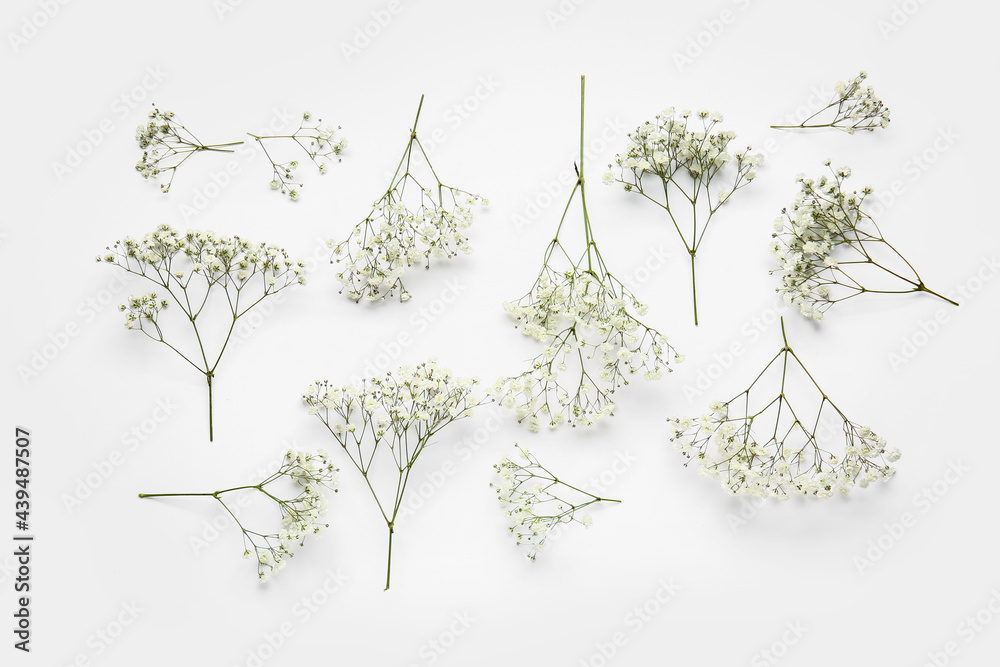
(300, 513)
(580, 311)
(674, 162)
(854, 107)
(535, 501)
(319, 143)
(192, 270)
(166, 145)
(830, 250)
(772, 448)
(391, 418)
(412, 222)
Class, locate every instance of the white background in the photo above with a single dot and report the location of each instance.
(741, 581)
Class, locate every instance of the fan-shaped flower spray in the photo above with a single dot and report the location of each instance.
(854, 107)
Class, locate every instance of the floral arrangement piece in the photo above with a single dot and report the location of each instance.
(166, 145)
(417, 218)
(300, 513)
(854, 107)
(319, 143)
(387, 422)
(675, 162)
(584, 315)
(534, 500)
(826, 245)
(768, 447)
(194, 272)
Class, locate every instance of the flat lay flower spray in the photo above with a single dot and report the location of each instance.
(166, 145)
(593, 342)
(675, 162)
(534, 501)
(760, 444)
(300, 512)
(195, 271)
(854, 107)
(417, 219)
(830, 250)
(384, 423)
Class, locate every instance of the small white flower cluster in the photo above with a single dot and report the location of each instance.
(398, 411)
(166, 144)
(171, 258)
(394, 237)
(580, 315)
(727, 450)
(826, 219)
(791, 458)
(300, 515)
(142, 307)
(320, 144)
(531, 499)
(671, 146)
(855, 108)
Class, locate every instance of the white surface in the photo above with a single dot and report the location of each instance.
(739, 587)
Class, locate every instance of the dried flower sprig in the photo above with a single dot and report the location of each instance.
(534, 500)
(319, 143)
(393, 417)
(854, 107)
(685, 159)
(413, 221)
(187, 269)
(166, 145)
(826, 245)
(740, 446)
(581, 311)
(300, 513)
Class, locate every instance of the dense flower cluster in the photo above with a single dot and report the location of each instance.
(580, 315)
(826, 245)
(188, 267)
(411, 223)
(854, 107)
(320, 144)
(396, 414)
(675, 162)
(166, 145)
(773, 449)
(534, 501)
(310, 473)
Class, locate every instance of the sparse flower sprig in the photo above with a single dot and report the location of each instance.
(166, 145)
(535, 501)
(685, 166)
(417, 218)
(387, 422)
(187, 270)
(320, 144)
(854, 107)
(582, 313)
(830, 250)
(772, 448)
(310, 473)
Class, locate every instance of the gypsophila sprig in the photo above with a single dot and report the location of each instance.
(192, 270)
(320, 144)
(768, 447)
(682, 162)
(534, 501)
(830, 250)
(300, 513)
(418, 218)
(588, 318)
(386, 422)
(854, 107)
(166, 145)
